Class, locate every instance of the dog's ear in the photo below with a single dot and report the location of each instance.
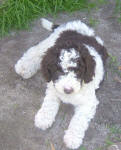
(46, 68)
(46, 71)
(104, 53)
(89, 64)
(49, 65)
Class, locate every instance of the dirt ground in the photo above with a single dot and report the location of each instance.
(20, 99)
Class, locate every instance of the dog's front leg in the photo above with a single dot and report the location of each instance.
(47, 113)
(83, 114)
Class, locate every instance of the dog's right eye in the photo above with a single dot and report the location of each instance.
(57, 74)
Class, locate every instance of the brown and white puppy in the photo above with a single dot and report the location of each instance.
(72, 61)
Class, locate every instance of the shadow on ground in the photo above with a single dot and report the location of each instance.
(20, 99)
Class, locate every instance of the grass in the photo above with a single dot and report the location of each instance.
(115, 130)
(114, 136)
(17, 14)
(118, 10)
(83, 148)
(93, 22)
(114, 66)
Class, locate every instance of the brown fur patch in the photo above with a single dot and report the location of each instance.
(85, 63)
(71, 38)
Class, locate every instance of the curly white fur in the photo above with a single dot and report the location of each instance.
(46, 115)
(66, 57)
(84, 100)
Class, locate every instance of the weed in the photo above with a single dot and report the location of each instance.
(100, 148)
(113, 134)
(93, 22)
(82, 148)
(113, 64)
(118, 10)
(115, 130)
(108, 142)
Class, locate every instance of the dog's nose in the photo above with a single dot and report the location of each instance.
(68, 90)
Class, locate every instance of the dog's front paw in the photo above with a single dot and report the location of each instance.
(42, 121)
(72, 140)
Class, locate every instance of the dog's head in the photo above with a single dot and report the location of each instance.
(68, 68)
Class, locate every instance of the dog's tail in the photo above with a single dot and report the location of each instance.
(48, 25)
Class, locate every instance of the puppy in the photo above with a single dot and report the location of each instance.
(72, 61)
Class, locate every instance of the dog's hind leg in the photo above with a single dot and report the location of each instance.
(30, 62)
